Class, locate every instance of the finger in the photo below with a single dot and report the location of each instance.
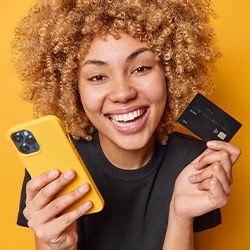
(37, 183)
(63, 222)
(221, 157)
(214, 171)
(48, 192)
(216, 194)
(57, 206)
(197, 159)
(234, 151)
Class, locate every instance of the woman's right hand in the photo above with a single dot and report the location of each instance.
(44, 210)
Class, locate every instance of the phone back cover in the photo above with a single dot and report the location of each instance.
(57, 152)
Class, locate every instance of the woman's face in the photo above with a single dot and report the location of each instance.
(123, 92)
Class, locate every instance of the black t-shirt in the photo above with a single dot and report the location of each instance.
(137, 201)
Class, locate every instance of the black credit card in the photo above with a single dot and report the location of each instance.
(208, 121)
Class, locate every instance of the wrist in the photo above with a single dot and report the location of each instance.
(179, 234)
(68, 248)
(178, 219)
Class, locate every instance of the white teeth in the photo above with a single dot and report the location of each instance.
(123, 125)
(127, 117)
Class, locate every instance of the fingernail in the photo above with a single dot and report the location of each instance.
(69, 174)
(192, 177)
(83, 188)
(87, 205)
(196, 165)
(53, 173)
(211, 143)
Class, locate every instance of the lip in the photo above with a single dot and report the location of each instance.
(125, 123)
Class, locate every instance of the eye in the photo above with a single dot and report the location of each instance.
(142, 69)
(96, 78)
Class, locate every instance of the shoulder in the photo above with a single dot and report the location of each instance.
(186, 142)
(180, 137)
(86, 146)
(181, 149)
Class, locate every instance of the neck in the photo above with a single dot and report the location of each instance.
(129, 159)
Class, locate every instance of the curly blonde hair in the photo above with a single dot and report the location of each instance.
(56, 33)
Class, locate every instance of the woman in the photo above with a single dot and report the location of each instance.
(118, 74)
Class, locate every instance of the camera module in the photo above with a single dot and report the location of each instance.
(24, 149)
(25, 142)
(30, 140)
(17, 137)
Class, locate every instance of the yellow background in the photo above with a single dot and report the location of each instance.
(232, 94)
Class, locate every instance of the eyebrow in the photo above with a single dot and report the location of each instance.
(132, 56)
(136, 53)
(95, 62)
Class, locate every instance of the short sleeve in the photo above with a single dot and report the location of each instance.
(21, 220)
(206, 221)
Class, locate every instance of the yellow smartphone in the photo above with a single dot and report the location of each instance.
(43, 144)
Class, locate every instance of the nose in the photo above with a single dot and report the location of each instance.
(122, 90)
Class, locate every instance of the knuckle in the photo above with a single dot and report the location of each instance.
(220, 202)
(223, 201)
(31, 225)
(217, 167)
(66, 219)
(74, 195)
(26, 213)
(55, 206)
(30, 187)
(228, 191)
(214, 182)
(79, 192)
(238, 152)
(220, 198)
(79, 212)
(41, 235)
(225, 154)
(43, 194)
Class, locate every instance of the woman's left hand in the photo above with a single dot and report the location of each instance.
(204, 185)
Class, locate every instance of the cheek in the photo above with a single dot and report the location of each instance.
(92, 99)
(157, 92)
(161, 92)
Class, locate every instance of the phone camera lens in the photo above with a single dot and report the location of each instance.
(17, 138)
(24, 149)
(30, 140)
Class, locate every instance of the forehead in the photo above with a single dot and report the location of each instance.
(110, 47)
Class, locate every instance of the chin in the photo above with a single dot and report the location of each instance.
(136, 143)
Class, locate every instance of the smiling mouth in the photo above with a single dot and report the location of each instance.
(128, 119)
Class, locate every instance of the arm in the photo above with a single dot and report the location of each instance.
(203, 186)
(179, 235)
